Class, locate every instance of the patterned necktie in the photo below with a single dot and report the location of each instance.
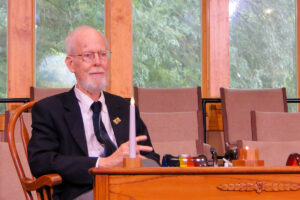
(100, 130)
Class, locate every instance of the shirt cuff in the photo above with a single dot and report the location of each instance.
(97, 163)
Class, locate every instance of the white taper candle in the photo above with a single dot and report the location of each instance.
(132, 131)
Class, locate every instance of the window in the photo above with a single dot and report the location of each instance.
(263, 44)
(166, 43)
(54, 20)
(3, 52)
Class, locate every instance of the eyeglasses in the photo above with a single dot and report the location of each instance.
(89, 57)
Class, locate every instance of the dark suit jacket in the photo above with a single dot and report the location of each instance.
(58, 143)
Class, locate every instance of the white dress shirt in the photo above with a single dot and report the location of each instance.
(95, 149)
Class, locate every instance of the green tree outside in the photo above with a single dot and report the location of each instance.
(263, 45)
(54, 20)
(3, 52)
(166, 43)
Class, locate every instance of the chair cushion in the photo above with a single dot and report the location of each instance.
(172, 126)
(175, 147)
(2, 136)
(216, 140)
(275, 126)
(273, 153)
(10, 185)
(174, 132)
(206, 151)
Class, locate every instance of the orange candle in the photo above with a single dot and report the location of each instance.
(248, 154)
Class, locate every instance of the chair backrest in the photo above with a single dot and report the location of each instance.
(168, 99)
(28, 182)
(40, 93)
(26, 119)
(236, 107)
(174, 119)
(174, 132)
(275, 126)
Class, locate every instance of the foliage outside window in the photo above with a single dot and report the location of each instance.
(166, 43)
(54, 20)
(3, 52)
(263, 44)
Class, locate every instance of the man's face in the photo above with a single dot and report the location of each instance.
(91, 74)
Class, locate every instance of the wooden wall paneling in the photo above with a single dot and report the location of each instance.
(20, 56)
(218, 42)
(214, 115)
(118, 30)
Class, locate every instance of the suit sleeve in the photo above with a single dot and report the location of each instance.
(141, 129)
(46, 150)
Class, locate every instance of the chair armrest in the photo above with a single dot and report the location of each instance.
(206, 150)
(45, 180)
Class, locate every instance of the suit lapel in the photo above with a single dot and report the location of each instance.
(118, 119)
(74, 120)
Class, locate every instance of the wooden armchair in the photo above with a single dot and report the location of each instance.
(42, 185)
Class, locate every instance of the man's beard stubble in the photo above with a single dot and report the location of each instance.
(91, 87)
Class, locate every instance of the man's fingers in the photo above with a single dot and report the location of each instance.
(137, 139)
(144, 148)
(141, 138)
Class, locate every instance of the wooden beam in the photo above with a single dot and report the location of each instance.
(20, 49)
(2, 122)
(205, 46)
(218, 46)
(298, 47)
(118, 30)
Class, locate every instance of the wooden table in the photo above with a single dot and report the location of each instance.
(174, 183)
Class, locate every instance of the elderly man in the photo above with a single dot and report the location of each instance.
(85, 127)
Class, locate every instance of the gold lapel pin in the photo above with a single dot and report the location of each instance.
(117, 120)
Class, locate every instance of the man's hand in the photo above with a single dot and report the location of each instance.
(116, 159)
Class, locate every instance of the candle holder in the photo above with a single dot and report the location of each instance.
(132, 162)
(248, 157)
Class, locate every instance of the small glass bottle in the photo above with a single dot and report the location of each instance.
(183, 159)
(190, 162)
(200, 161)
(170, 161)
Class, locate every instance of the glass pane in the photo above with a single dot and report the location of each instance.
(263, 44)
(3, 52)
(54, 20)
(166, 43)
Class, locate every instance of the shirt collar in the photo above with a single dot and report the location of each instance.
(86, 101)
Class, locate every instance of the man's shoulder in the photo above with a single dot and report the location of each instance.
(55, 100)
(116, 99)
